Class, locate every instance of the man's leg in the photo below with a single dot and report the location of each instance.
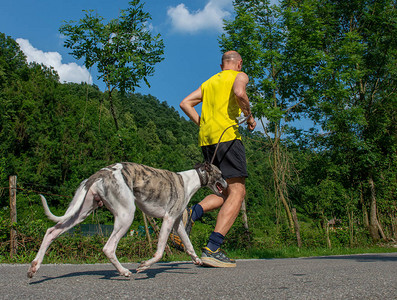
(212, 256)
(232, 205)
(211, 202)
(228, 212)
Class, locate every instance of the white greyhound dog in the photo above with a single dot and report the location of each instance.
(121, 186)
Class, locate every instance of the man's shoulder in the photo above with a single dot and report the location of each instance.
(241, 76)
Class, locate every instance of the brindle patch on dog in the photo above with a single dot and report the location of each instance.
(156, 187)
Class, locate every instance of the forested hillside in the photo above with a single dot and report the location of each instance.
(341, 183)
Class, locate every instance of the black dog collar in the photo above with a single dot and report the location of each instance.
(203, 176)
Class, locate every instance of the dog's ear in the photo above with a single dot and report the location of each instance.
(208, 166)
(198, 166)
(205, 166)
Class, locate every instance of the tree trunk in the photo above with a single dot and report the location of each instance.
(364, 208)
(394, 227)
(351, 226)
(297, 228)
(381, 232)
(287, 210)
(326, 225)
(373, 225)
(279, 171)
(375, 229)
(110, 98)
(327, 235)
(116, 124)
(13, 215)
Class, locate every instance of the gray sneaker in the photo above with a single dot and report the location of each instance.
(217, 259)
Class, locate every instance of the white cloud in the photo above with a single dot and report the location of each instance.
(71, 72)
(209, 18)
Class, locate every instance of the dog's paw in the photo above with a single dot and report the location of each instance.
(125, 273)
(142, 267)
(32, 269)
(31, 273)
(197, 261)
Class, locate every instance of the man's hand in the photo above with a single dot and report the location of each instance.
(251, 123)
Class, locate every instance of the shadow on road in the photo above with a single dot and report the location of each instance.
(109, 275)
(361, 257)
(114, 275)
(167, 267)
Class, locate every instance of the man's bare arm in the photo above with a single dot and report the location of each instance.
(188, 104)
(239, 88)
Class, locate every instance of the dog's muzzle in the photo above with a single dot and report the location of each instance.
(221, 186)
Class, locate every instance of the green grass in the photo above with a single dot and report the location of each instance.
(291, 252)
(283, 252)
(287, 252)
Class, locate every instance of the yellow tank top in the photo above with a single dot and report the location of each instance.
(219, 109)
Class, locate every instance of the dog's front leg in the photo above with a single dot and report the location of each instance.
(180, 229)
(165, 230)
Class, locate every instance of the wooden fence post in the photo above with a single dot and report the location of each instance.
(244, 212)
(13, 215)
(297, 228)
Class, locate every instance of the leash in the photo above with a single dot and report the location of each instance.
(240, 120)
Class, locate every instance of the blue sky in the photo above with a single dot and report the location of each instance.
(189, 28)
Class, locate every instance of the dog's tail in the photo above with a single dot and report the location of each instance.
(74, 206)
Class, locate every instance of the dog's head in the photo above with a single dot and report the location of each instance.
(211, 176)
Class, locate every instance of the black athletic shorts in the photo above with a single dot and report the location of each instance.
(230, 158)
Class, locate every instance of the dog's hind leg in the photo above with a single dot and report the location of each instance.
(122, 223)
(55, 231)
(165, 230)
(51, 234)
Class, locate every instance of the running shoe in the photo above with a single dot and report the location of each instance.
(217, 259)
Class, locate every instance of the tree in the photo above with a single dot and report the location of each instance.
(345, 54)
(123, 50)
(257, 33)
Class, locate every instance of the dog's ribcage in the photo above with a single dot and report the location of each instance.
(155, 191)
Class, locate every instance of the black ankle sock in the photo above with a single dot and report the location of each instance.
(197, 212)
(215, 241)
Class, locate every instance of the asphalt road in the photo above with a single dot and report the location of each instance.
(369, 276)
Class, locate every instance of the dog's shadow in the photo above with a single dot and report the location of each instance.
(114, 275)
(168, 268)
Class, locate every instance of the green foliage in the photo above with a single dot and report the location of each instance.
(336, 61)
(123, 50)
(349, 68)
